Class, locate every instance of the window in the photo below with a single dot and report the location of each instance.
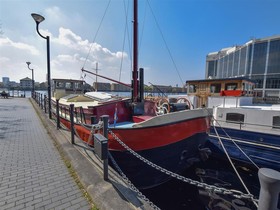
(231, 86)
(202, 87)
(259, 58)
(215, 88)
(192, 88)
(242, 61)
(235, 118)
(69, 85)
(274, 57)
(276, 122)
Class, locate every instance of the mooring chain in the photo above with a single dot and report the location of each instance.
(213, 188)
(131, 185)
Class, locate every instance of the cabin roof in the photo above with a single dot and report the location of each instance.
(220, 80)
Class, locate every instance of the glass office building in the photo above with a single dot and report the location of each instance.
(258, 59)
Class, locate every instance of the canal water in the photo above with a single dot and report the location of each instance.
(178, 195)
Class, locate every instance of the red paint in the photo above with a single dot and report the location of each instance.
(231, 93)
(150, 137)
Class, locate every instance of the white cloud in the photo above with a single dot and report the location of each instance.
(55, 14)
(7, 43)
(75, 52)
(69, 53)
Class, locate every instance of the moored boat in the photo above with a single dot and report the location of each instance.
(169, 138)
(172, 141)
(249, 132)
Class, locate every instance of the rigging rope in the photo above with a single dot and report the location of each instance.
(125, 31)
(229, 159)
(142, 31)
(97, 32)
(169, 52)
(228, 136)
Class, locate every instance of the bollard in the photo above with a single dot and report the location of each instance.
(41, 101)
(45, 101)
(270, 189)
(57, 114)
(39, 98)
(105, 119)
(101, 150)
(72, 123)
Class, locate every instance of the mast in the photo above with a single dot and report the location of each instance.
(135, 82)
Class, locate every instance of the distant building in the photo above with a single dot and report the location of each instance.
(6, 81)
(119, 88)
(102, 86)
(26, 83)
(162, 88)
(258, 60)
(14, 84)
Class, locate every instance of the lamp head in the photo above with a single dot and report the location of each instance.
(28, 63)
(38, 18)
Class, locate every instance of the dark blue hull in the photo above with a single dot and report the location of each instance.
(174, 157)
(263, 149)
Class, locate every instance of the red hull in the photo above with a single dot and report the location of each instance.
(149, 137)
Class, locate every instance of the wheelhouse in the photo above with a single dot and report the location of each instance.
(203, 89)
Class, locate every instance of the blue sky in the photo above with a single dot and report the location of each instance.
(188, 30)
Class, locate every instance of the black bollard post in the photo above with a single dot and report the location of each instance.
(72, 123)
(45, 101)
(41, 100)
(105, 119)
(57, 114)
(270, 189)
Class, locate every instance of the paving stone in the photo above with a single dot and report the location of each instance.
(32, 173)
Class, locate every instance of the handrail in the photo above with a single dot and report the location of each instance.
(241, 123)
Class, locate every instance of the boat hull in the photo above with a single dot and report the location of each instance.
(263, 149)
(175, 157)
(172, 145)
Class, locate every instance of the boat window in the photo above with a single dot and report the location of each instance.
(231, 86)
(69, 85)
(78, 85)
(59, 85)
(276, 122)
(192, 88)
(235, 118)
(215, 88)
(202, 87)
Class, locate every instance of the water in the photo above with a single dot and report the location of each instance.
(25, 93)
(178, 195)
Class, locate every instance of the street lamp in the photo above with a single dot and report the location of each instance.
(38, 19)
(28, 63)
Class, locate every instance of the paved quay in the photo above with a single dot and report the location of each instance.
(33, 175)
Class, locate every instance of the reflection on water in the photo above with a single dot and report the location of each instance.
(176, 194)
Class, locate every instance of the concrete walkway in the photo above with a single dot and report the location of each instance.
(32, 174)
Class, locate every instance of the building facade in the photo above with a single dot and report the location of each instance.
(26, 83)
(6, 81)
(258, 60)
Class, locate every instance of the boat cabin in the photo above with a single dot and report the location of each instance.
(63, 87)
(202, 89)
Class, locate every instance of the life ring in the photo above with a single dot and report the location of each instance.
(184, 100)
(162, 106)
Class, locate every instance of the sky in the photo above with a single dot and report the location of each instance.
(174, 36)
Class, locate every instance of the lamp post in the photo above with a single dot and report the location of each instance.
(28, 63)
(38, 19)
